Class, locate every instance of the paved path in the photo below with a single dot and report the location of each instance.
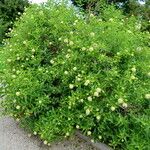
(14, 138)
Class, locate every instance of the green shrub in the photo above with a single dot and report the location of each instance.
(64, 72)
(9, 11)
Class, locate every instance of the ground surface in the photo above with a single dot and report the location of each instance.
(12, 137)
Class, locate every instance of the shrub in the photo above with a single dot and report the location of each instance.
(64, 72)
(9, 11)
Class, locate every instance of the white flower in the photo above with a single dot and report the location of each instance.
(81, 116)
(13, 76)
(77, 126)
(91, 49)
(18, 93)
(18, 58)
(98, 90)
(98, 117)
(32, 56)
(120, 100)
(66, 40)
(89, 133)
(83, 48)
(148, 74)
(81, 100)
(17, 119)
(71, 43)
(76, 21)
(9, 29)
(96, 94)
(139, 49)
(67, 56)
(125, 105)
(35, 133)
(92, 140)
(40, 101)
(74, 68)
(24, 42)
(52, 61)
(100, 137)
(129, 31)
(61, 22)
(66, 72)
(111, 19)
(49, 144)
(71, 86)
(89, 98)
(87, 82)
(67, 134)
(91, 15)
(14, 101)
(19, 13)
(78, 79)
(87, 112)
(27, 59)
(45, 142)
(133, 77)
(69, 50)
(133, 69)
(112, 108)
(71, 32)
(17, 107)
(8, 60)
(147, 96)
(59, 39)
(33, 50)
(92, 34)
(17, 71)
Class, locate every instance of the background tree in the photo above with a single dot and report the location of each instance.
(9, 11)
(140, 9)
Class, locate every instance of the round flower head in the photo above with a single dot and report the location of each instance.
(77, 126)
(91, 49)
(89, 133)
(52, 61)
(67, 134)
(87, 112)
(45, 142)
(147, 96)
(35, 133)
(18, 93)
(92, 34)
(112, 108)
(125, 105)
(71, 43)
(87, 82)
(96, 94)
(98, 117)
(66, 72)
(71, 86)
(120, 100)
(83, 48)
(74, 68)
(133, 69)
(98, 90)
(17, 107)
(66, 40)
(89, 98)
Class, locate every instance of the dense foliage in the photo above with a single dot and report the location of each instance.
(129, 7)
(10, 10)
(65, 71)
